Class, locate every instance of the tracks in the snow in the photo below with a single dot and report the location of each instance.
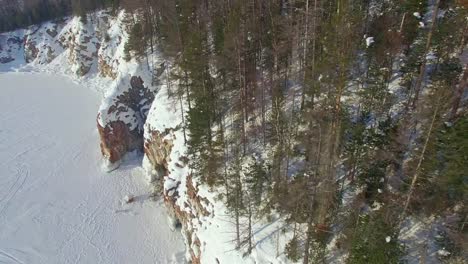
(21, 175)
(8, 258)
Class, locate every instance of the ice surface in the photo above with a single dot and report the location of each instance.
(56, 204)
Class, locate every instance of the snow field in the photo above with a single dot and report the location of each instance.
(56, 204)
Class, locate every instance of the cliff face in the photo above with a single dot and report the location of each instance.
(93, 53)
(121, 118)
(166, 165)
(138, 112)
(157, 150)
(185, 217)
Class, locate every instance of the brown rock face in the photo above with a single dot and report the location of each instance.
(158, 147)
(197, 205)
(105, 69)
(30, 51)
(158, 150)
(118, 137)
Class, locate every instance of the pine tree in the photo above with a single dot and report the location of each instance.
(375, 241)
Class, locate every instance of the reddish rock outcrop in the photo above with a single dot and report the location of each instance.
(197, 205)
(183, 208)
(117, 139)
(120, 123)
(158, 149)
(105, 69)
(30, 50)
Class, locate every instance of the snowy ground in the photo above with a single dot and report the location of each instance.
(56, 206)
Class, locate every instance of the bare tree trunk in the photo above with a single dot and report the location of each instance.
(183, 119)
(242, 96)
(263, 112)
(459, 94)
(422, 253)
(237, 229)
(465, 220)
(187, 89)
(422, 70)
(304, 56)
(307, 242)
(277, 242)
(402, 22)
(310, 226)
(421, 158)
(237, 216)
(314, 21)
(250, 228)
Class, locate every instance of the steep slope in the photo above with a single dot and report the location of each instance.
(348, 148)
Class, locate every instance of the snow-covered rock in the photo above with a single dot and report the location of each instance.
(121, 118)
(443, 252)
(369, 41)
(129, 198)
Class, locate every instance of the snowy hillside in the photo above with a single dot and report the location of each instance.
(92, 56)
(267, 132)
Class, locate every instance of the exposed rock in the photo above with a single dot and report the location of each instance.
(157, 149)
(63, 41)
(8, 46)
(81, 55)
(183, 208)
(129, 198)
(52, 32)
(121, 119)
(30, 50)
(197, 204)
(50, 55)
(6, 59)
(14, 41)
(105, 69)
(83, 70)
(117, 139)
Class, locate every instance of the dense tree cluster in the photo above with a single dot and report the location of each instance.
(293, 104)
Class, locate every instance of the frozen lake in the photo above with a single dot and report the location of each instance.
(56, 205)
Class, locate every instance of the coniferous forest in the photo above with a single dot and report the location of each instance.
(345, 117)
(323, 111)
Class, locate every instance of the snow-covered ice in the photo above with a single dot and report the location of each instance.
(56, 204)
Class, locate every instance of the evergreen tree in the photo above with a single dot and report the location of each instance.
(375, 241)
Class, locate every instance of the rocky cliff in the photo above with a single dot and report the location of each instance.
(121, 118)
(138, 112)
(92, 53)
